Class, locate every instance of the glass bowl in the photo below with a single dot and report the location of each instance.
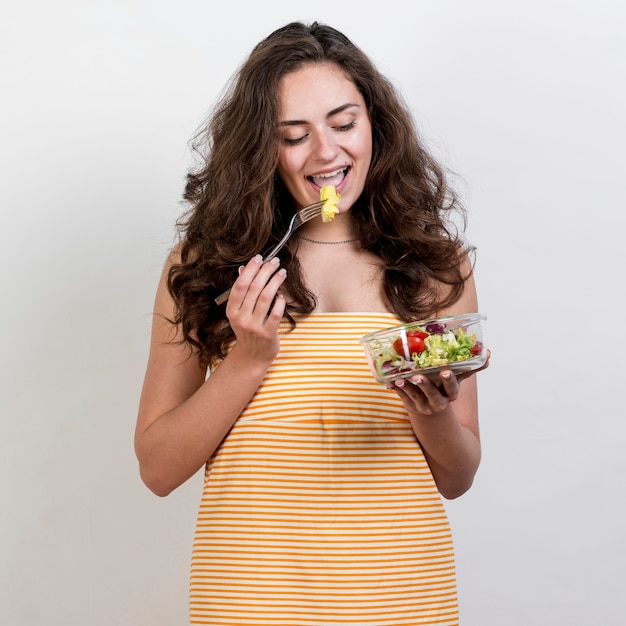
(455, 343)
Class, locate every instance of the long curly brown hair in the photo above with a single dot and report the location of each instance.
(238, 206)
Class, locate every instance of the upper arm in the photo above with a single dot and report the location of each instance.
(173, 372)
(466, 405)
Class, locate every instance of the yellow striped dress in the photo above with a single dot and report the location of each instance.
(319, 508)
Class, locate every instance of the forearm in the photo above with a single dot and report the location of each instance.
(179, 442)
(451, 449)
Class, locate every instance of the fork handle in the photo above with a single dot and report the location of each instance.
(279, 245)
(222, 297)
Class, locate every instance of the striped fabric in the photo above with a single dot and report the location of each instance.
(319, 507)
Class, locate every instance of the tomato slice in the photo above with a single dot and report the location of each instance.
(397, 346)
(415, 344)
(477, 348)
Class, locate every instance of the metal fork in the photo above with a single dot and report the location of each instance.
(303, 215)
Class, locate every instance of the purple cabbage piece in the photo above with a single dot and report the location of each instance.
(435, 328)
(388, 369)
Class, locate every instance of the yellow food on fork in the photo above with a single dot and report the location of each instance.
(329, 195)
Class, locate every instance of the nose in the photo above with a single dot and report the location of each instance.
(325, 147)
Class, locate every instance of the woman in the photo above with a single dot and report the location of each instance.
(321, 503)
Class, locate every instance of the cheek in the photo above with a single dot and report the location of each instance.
(288, 166)
(367, 146)
(361, 147)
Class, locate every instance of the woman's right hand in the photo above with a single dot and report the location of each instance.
(255, 309)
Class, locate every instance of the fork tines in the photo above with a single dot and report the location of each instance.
(311, 209)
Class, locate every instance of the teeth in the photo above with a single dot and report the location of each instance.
(331, 174)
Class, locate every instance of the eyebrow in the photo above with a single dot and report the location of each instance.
(339, 109)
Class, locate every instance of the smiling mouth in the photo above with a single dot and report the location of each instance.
(334, 178)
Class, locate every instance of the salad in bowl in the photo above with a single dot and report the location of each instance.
(427, 347)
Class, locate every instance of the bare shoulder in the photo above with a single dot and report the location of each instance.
(468, 302)
(166, 335)
(164, 304)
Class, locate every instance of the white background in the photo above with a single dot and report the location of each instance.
(98, 100)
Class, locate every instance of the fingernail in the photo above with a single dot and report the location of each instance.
(257, 258)
(445, 375)
(418, 381)
(240, 269)
(400, 382)
(275, 261)
(282, 272)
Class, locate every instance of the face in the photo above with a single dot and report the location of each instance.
(325, 135)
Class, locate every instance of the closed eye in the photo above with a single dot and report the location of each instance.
(346, 127)
(294, 142)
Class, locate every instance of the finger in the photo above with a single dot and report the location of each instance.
(266, 304)
(433, 400)
(256, 279)
(410, 388)
(449, 385)
(277, 311)
(260, 280)
(410, 396)
(240, 287)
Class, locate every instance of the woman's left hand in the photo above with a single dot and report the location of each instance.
(421, 395)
